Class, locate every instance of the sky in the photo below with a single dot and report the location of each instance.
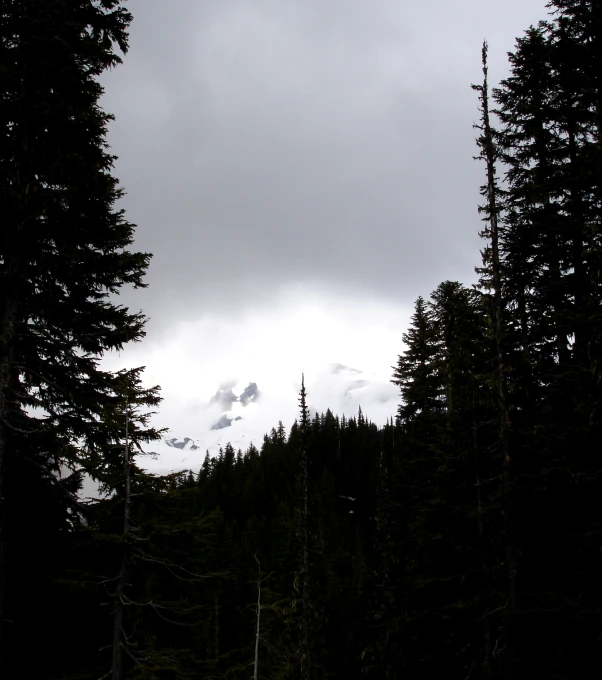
(301, 171)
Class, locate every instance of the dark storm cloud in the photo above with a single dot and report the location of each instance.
(269, 141)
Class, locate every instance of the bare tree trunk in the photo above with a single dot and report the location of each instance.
(119, 639)
(485, 587)
(216, 632)
(117, 659)
(493, 209)
(256, 662)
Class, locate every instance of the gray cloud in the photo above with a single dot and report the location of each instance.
(263, 142)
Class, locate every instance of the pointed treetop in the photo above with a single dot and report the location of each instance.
(304, 420)
(484, 51)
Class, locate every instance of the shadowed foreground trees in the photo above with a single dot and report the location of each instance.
(461, 540)
(64, 254)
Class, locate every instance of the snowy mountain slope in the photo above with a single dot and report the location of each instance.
(241, 413)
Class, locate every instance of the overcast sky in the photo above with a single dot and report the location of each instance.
(281, 155)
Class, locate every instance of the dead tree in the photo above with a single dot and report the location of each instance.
(119, 638)
(493, 280)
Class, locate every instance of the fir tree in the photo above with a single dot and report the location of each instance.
(415, 373)
(549, 108)
(64, 247)
(305, 649)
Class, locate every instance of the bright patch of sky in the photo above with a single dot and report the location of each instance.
(301, 171)
(304, 330)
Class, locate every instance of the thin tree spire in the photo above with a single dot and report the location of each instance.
(306, 602)
(494, 283)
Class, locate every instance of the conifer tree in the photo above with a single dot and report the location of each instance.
(120, 453)
(429, 600)
(549, 108)
(305, 651)
(64, 246)
(415, 372)
(492, 283)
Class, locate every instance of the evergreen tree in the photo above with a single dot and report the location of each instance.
(469, 528)
(306, 648)
(135, 430)
(415, 373)
(549, 108)
(427, 535)
(64, 247)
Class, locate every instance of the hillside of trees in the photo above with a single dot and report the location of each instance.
(461, 540)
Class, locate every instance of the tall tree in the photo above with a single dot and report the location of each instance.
(493, 285)
(64, 247)
(306, 651)
(135, 430)
(430, 600)
(416, 371)
(550, 248)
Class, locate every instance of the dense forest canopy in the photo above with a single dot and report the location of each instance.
(460, 540)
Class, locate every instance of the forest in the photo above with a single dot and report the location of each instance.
(462, 540)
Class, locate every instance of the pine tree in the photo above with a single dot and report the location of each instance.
(64, 247)
(415, 373)
(549, 108)
(428, 536)
(305, 648)
(120, 454)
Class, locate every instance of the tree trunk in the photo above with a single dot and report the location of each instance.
(118, 634)
(487, 145)
(306, 602)
(256, 662)
(216, 632)
(485, 585)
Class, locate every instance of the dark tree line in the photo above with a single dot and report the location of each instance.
(461, 540)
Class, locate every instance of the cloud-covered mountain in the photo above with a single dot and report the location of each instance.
(186, 444)
(239, 413)
(226, 398)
